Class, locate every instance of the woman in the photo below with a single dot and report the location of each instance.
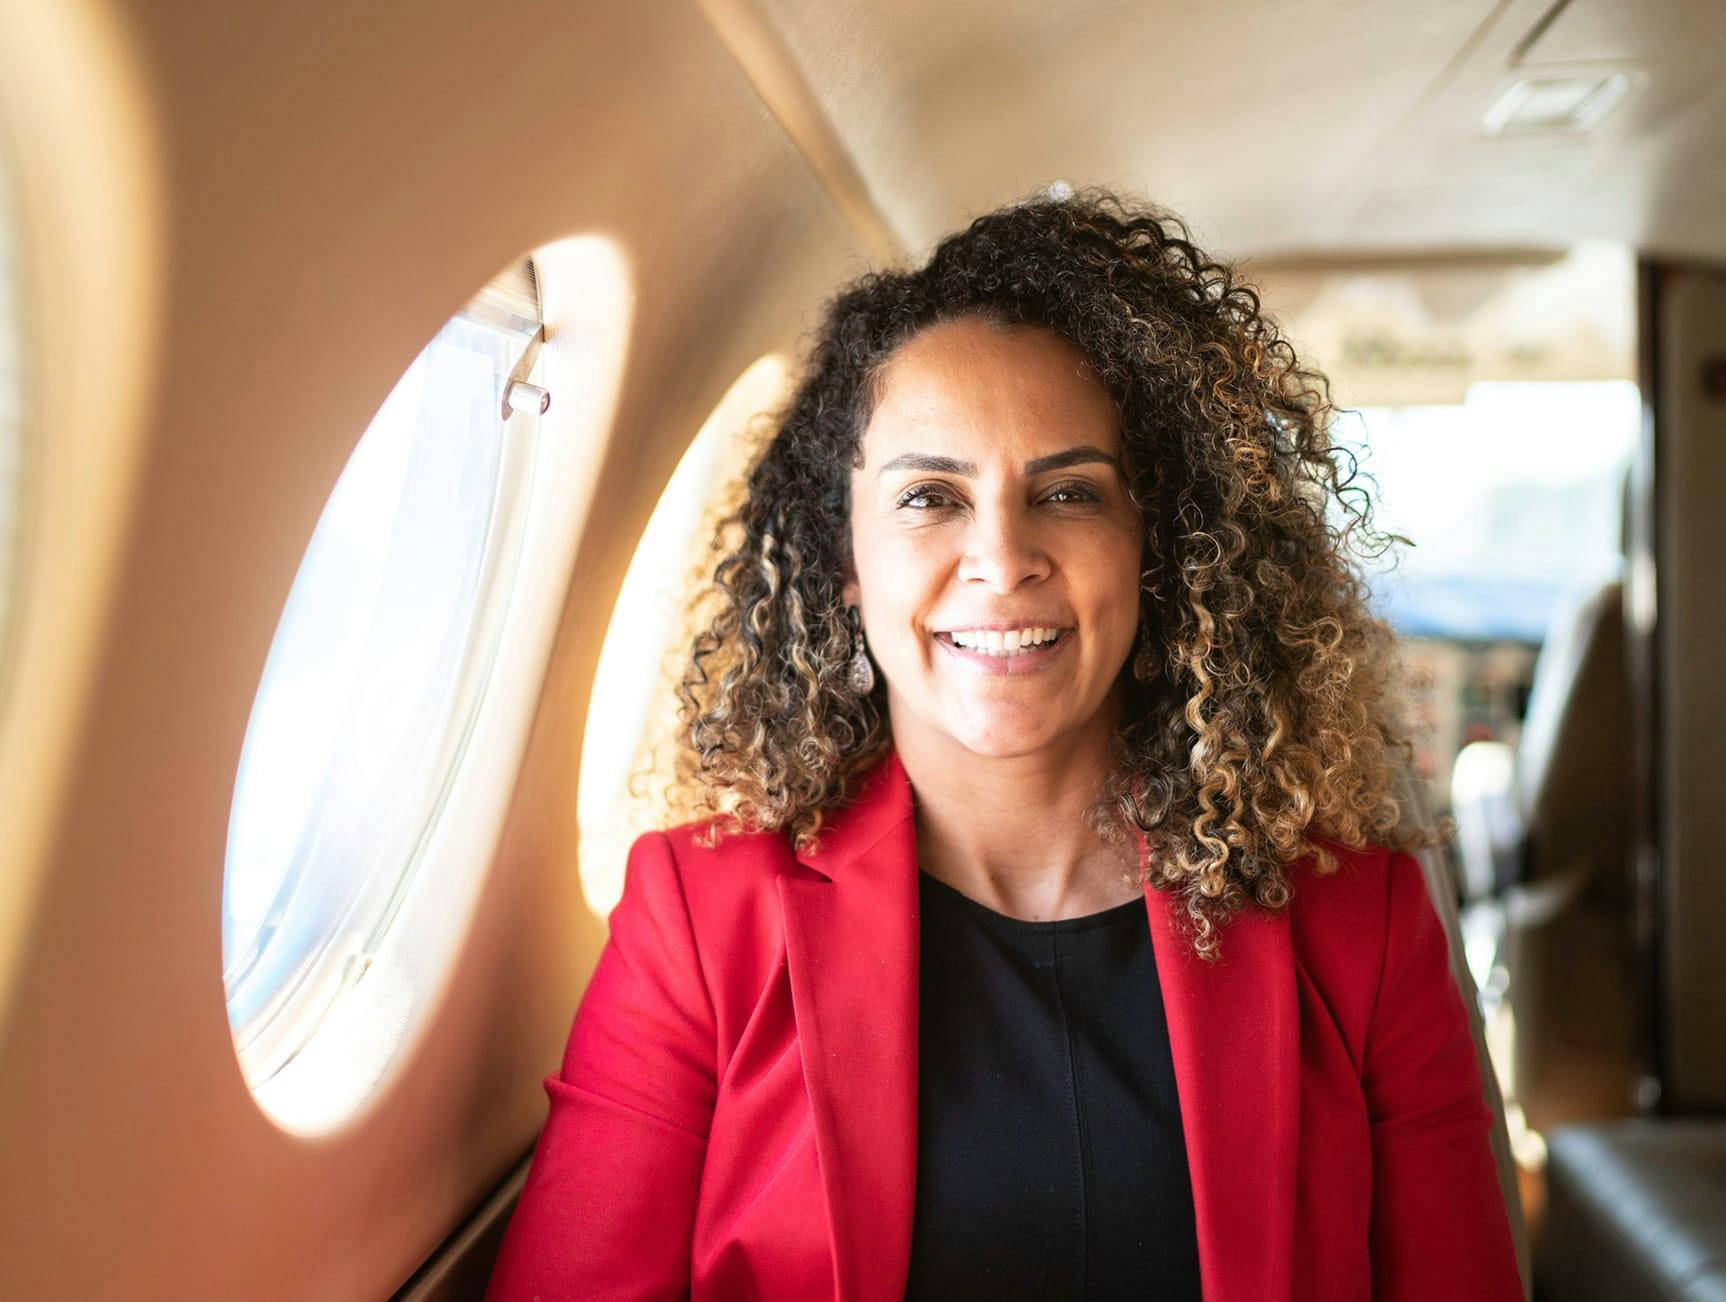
(1031, 630)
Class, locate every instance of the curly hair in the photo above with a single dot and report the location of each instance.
(1264, 717)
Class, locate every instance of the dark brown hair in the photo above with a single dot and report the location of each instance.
(1263, 723)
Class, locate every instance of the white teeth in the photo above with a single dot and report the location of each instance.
(1014, 642)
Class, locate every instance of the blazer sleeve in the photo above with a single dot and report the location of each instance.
(1439, 1227)
(608, 1210)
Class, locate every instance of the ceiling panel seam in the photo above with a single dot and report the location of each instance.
(773, 72)
(1539, 29)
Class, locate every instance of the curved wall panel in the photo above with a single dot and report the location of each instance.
(337, 180)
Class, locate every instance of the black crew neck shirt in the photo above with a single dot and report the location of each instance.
(1051, 1161)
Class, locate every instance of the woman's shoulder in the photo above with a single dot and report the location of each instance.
(1342, 919)
(714, 844)
(1358, 881)
(719, 870)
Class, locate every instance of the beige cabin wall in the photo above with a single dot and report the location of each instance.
(339, 179)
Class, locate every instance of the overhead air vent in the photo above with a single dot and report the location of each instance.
(1555, 103)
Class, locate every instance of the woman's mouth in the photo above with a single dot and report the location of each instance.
(1011, 651)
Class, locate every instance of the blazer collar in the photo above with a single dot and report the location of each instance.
(852, 952)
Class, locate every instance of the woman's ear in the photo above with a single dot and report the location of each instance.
(850, 591)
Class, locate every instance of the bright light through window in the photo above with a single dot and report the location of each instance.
(371, 685)
(631, 712)
(10, 411)
(1511, 498)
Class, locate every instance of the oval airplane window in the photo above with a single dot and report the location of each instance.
(376, 673)
(631, 713)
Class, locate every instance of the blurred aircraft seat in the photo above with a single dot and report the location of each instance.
(1636, 1208)
(1544, 833)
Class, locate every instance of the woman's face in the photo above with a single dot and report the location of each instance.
(991, 510)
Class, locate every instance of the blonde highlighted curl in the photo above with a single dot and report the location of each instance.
(1264, 719)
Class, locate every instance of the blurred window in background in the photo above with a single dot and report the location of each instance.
(1513, 500)
(376, 674)
(1510, 498)
(1490, 398)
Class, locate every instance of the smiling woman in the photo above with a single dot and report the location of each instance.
(995, 553)
(1070, 418)
(991, 504)
(1034, 572)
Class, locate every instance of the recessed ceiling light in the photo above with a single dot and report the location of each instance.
(1555, 103)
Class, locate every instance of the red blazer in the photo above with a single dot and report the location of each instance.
(737, 1112)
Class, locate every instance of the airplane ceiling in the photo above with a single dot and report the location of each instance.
(1277, 129)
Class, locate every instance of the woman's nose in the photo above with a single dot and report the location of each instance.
(1002, 552)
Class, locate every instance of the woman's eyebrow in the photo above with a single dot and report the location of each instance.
(1077, 456)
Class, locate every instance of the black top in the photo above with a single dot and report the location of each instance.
(1050, 1157)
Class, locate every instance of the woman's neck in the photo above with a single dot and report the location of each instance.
(1011, 832)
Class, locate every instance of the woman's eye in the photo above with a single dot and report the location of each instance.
(924, 498)
(930, 497)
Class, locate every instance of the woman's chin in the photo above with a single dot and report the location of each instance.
(1005, 740)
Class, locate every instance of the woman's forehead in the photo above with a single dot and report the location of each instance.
(979, 384)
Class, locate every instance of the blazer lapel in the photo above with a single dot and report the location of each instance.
(1234, 1032)
(851, 935)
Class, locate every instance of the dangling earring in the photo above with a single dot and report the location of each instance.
(1145, 662)
(859, 674)
(1147, 658)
